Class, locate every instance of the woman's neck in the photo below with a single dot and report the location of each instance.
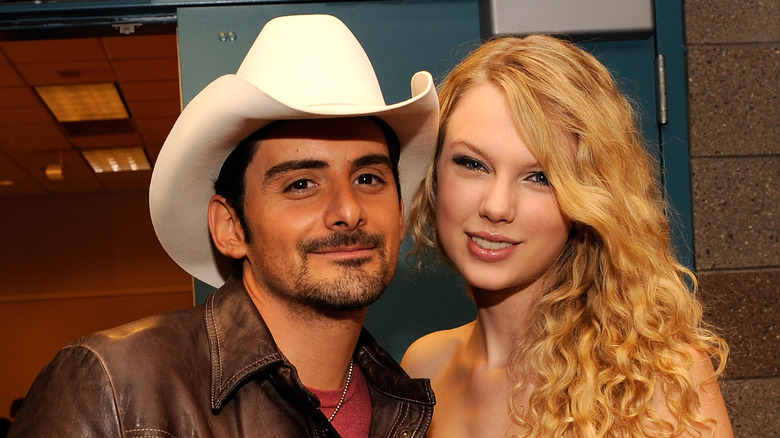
(503, 318)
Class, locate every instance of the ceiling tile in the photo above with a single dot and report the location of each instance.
(116, 181)
(47, 51)
(26, 115)
(67, 73)
(155, 131)
(130, 139)
(78, 175)
(37, 136)
(13, 97)
(151, 90)
(98, 127)
(147, 69)
(149, 109)
(9, 77)
(152, 152)
(23, 183)
(141, 46)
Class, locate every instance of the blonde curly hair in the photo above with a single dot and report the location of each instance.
(621, 319)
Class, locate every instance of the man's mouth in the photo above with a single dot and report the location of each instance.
(344, 250)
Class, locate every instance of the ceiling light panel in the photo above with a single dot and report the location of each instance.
(83, 102)
(116, 160)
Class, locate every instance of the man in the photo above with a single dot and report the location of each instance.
(292, 167)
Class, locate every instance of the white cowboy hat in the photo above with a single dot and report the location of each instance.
(300, 67)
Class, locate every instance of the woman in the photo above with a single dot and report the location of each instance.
(541, 195)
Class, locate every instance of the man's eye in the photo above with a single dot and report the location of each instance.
(301, 184)
(469, 163)
(369, 179)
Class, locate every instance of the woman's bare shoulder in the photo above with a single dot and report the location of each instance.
(432, 352)
(711, 401)
(710, 397)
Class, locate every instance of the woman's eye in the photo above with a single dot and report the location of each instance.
(539, 178)
(469, 163)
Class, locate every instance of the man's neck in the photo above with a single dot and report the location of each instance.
(319, 346)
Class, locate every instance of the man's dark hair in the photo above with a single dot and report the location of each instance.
(231, 182)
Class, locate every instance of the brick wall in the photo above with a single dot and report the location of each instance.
(734, 83)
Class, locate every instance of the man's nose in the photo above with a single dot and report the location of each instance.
(344, 211)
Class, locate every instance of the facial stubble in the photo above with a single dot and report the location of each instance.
(350, 288)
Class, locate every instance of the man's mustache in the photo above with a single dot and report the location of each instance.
(341, 239)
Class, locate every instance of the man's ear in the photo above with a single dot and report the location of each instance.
(225, 228)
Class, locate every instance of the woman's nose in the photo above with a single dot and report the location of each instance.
(499, 202)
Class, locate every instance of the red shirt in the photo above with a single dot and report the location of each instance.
(354, 418)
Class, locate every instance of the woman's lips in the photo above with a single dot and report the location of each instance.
(490, 249)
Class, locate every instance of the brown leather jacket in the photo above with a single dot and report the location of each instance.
(207, 371)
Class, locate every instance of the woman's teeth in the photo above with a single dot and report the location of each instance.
(487, 244)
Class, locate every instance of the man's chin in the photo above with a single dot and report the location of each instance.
(341, 295)
(338, 308)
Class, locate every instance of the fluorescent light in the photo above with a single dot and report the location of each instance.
(80, 102)
(116, 160)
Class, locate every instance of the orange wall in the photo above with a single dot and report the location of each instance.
(71, 265)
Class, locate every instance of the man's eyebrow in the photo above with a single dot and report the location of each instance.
(368, 160)
(288, 166)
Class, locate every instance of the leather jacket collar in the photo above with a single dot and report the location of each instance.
(241, 346)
